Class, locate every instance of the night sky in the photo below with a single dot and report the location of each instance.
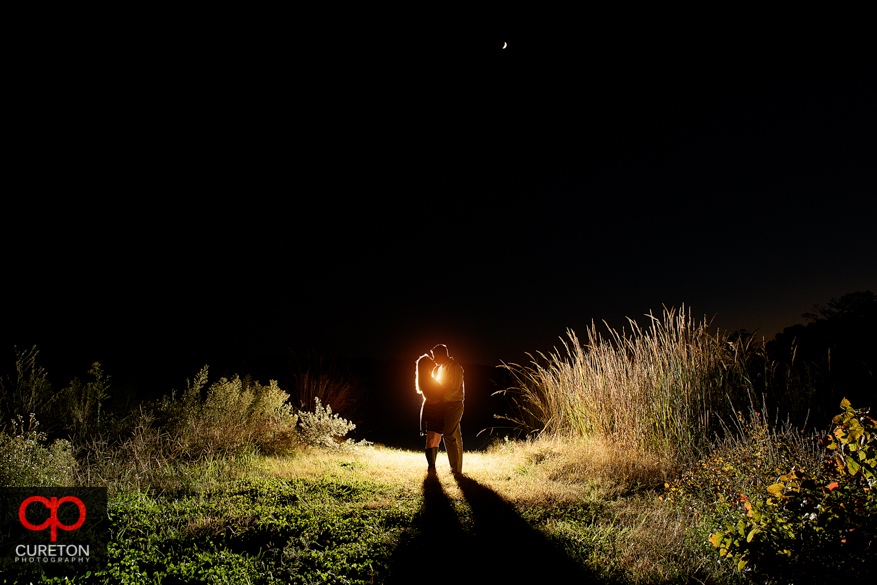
(186, 195)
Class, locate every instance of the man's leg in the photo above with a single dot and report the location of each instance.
(452, 435)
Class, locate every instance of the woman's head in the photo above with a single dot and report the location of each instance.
(424, 367)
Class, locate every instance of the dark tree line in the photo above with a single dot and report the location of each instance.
(835, 352)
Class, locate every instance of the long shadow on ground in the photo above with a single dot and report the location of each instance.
(501, 547)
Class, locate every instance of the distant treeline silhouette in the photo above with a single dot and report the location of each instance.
(836, 351)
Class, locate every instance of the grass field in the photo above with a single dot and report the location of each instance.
(523, 511)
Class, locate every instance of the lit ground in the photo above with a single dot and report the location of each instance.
(544, 470)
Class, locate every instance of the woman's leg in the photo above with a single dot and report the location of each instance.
(432, 442)
(433, 439)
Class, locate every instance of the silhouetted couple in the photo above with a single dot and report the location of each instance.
(440, 380)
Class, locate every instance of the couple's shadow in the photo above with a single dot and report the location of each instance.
(499, 546)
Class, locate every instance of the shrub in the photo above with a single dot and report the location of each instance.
(322, 428)
(26, 461)
(235, 414)
(748, 457)
(813, 525)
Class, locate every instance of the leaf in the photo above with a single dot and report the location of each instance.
(776, 490)
(856, 431)
(752, 534)
(852, 466)
(845, 403)
(716, 539)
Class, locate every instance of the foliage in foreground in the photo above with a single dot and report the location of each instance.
(810, 525)
(253, 530)
(746, 459)
(341, 516)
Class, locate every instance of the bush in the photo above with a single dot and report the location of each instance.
(25, 460)
(813, 526)
(747, 458)
(322, 428)
(236, 414)
(240, 412)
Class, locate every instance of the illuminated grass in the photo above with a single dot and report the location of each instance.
(355, 517)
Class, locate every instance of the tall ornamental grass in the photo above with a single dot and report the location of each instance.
(664, 388)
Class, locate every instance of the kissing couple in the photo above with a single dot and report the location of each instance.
(440, 380)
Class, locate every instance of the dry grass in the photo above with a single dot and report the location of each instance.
(662, 389)
(330, 383)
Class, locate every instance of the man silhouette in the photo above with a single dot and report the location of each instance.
(449, 375)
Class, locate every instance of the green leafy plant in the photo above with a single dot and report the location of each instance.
(854, 444)
(27, 461)
(806, 525)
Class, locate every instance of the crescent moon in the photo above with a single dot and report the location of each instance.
(504, 45)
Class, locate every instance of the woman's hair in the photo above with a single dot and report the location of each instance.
(426, 373)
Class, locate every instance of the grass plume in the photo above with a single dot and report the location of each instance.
(664, 388)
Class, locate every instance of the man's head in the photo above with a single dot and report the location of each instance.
(440, 353)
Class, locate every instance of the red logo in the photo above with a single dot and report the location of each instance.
(53, 521)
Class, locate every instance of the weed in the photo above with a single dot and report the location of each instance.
(30, 390)
(27, 461)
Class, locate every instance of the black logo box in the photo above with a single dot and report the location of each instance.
(16, 538)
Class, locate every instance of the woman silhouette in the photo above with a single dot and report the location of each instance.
(432, 411)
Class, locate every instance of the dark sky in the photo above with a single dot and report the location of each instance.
(181, 195)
